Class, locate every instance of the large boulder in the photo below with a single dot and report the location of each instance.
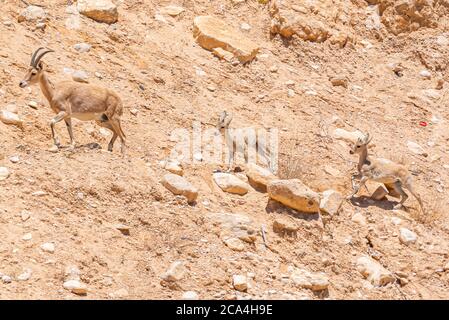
(230, 183)
(98, 10)
(294, 194)
(180, 186)
(211, 32)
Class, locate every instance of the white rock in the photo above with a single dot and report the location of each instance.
(27, 236)
(80, 76)
(82, 47)
(98, 10)
(240, 282)
(359, 218)
(14, 159)
(374, 272)
(25, 275)
(32, 14)
(245, 27)
(173, 11)
(234, 244)
(174, 166)
(75, 286)
(309, 280)
(6, 279)
(425, 74)
(406, 236)
(175, 272)
(8, 117)
(190, 295)
(331, 202)
(442, 41)
(180, 186)
(4, 173)
(396, 221)
(230, 183)
(48, 247)
(415, 148)
(25, 215)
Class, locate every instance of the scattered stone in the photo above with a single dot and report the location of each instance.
(80, 76)
(234, 225)
(446, 266)
(309, 280)
(14, 159)
(39, 193)
(174, 167)
(27, 237)
(245, 27)
(240, 282)
(10, 118)
(396, 221)
(274, 69)
(32, 14)
(6, 279)
(374, 272)
(120, 293)
(406, 236)
(123, 229)
(339, 81)
(259, 177)
(25, 275)
(82, 47)
(76, 287)
(25, 215)
(190, 295)
(211, 32)
(4, 173)
(234, 244)
(99, 10)
(415, 148)
(180, 186)
(48, 247)
(331, 202)
(442, 41)
(172, 11)
(175, 272)
(230, 183)
(134, 111)
(72, 272)
(294, 194)
(283, 226)
(425, 74)
(359, 218)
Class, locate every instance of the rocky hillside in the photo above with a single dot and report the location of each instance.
(90, 224)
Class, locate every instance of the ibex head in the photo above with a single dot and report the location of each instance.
(224, 120)
(361, 144)
(36, 67)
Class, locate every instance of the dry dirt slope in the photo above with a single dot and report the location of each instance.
(161, 72)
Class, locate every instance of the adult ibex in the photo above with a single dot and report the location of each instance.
(78, 100)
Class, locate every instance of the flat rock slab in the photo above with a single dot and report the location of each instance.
(211, 32)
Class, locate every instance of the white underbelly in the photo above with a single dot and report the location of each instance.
(87, 116)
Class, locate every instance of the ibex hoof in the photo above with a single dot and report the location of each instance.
(53, 148)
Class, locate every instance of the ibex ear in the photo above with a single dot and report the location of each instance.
(40, 66)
